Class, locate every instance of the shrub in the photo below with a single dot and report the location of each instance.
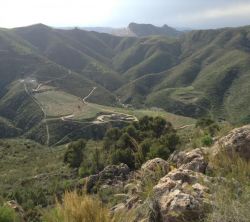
(158, 150)
(204, 122)
(245, 120)
(209, 126)
(8, 215)
(207, 140)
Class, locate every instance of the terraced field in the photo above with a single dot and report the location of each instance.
(59, 104)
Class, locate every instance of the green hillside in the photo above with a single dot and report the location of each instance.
(81, 51)
(212, 70)
(202, 73)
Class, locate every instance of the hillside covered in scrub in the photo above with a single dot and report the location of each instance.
(146, 171)
(199, 73)
(144, 128)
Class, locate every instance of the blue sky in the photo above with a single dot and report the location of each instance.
(119, 13)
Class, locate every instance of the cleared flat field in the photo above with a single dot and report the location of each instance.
(176, 120)
(58, 104)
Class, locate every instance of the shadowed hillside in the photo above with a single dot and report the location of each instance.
(200, 73)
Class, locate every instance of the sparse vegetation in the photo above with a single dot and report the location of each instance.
(76, 208)
(231, 194)
(45, 74)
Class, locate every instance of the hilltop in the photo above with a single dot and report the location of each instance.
(136, 30)
(143, 30)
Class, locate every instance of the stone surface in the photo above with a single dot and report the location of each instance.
(237, 141)
(110, 175)
(181, 197)
(192, 160)
(154, 165)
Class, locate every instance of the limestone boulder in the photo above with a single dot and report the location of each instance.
(182, 195)
(236, 142)
(157, 164)
(194, 160)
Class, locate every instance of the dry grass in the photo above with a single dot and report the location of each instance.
(231, 194)
(78, 208)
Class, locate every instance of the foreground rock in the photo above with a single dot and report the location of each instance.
(151, 171)
(180, 196)
(110, 175)
(236, 142)
(180, 185)
(191, 160)
(154, 166)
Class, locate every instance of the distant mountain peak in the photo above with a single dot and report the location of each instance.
(40, 26)
(142, 30)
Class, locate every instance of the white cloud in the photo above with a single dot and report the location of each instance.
(237, 10)
(189, 13)
(55, 12)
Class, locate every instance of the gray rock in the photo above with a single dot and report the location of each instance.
(181, 197)
(237, 141)
(108, 176)
(157, 164)
(191, 160)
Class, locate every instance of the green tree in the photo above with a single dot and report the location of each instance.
(111, 136)
(74, 153)
(170, 140)
(159, 126)
(96, 161)
(145, 123)
(158, 150)
(123, 156)
(131, 131)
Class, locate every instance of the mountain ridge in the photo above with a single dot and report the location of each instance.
(204, 72)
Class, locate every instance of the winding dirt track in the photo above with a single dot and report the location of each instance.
(86, 97)
(40, 105)
(43, 111)
(184, 127)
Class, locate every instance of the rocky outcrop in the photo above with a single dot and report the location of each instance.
(151, 172)
(110, 175)
(194, 160)
(180, 196)
(157, 164)
(180, 185)
(183, 194)
(236, 142)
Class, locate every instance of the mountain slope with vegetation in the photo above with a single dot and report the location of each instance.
(96, 127)
(201, 73)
